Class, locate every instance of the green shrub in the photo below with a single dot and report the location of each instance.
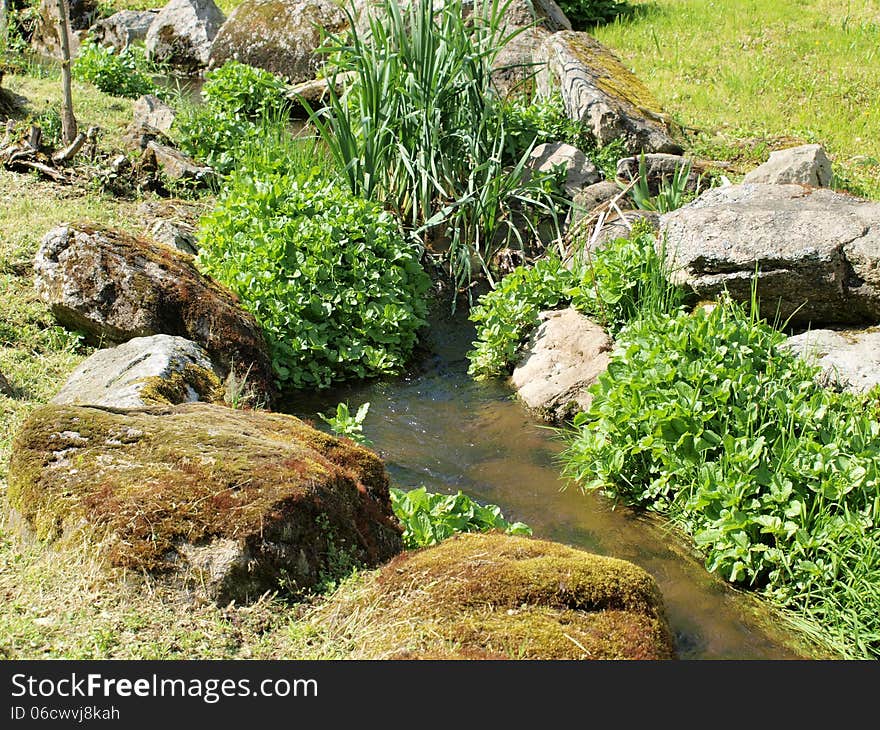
(586, 13)
(345, 424)
(337, 291)
(244, 109)
(702, 416)
(618, 283)
(239, 89)
(429, 518)
(117, 74)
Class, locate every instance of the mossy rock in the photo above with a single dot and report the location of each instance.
(239, 502)
(281, 36)
(114, 287)
(493, 596)
(603, 94)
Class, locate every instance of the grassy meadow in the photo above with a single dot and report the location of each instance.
(744, 77)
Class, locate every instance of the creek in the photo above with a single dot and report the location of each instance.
(436, 427)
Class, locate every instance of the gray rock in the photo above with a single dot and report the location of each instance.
(591, 197)
(114, 287)
(563, 358)
(152, 114)
(615, 226)
(817, 252)
(181, 236)
(280, 36)
(122, 29)
(182, 33)
(145, 371)
(850, 359)
(579, 170)
(660, 167)
(807, 165)
(174, 164)
(599, 91)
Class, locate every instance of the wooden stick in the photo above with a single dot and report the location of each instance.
(68, 152)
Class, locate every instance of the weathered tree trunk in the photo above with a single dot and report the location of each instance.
(4, 24)
(68, 120)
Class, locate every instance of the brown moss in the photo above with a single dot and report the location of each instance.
(496, 596)
(144, 482)
(173, 389)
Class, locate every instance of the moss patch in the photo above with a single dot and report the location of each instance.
(148, 485)
(495, 596)
(175, 388)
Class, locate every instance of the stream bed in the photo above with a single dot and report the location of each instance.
(438, 428)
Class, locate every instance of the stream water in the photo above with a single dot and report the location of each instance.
(436, 427)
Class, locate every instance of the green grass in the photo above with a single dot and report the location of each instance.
(753, 76)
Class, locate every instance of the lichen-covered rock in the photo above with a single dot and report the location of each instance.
(849, 359)
(113, 287)
(182, 33)
(145, 371)
(817, 252)
(46, 40)
(492, 596)
(562, 359)
(280, 36)
(232, 502)
(579, 169)
(806, 165)
(600, 92)
(123, 28)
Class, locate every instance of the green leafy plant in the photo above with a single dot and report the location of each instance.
(344, 423)
(619, 282)
(671, 194)
(706, 418)
(244, 109)
(336, 289)
(419, 127)
(113, 73)
(586, 13)
(240, 89)
(428, 518)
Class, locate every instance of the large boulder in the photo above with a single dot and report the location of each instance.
(280, 36)
(849, 359)
(114, 287)
(816, 252)
(806, 165)
(562, 359)
(182, 33)
(600, 92)
(493, 596)
(145, 371)
(234, 502)
(123, 28)
(46, 39)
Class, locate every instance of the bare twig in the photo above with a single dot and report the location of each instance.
(63, 155)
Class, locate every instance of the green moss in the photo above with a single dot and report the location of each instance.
(611, 76)
(142, 483)
(496, 596)
(175, 388)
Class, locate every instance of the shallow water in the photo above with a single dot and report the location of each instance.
(438, 428)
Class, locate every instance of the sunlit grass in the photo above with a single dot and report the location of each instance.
(747, 76)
